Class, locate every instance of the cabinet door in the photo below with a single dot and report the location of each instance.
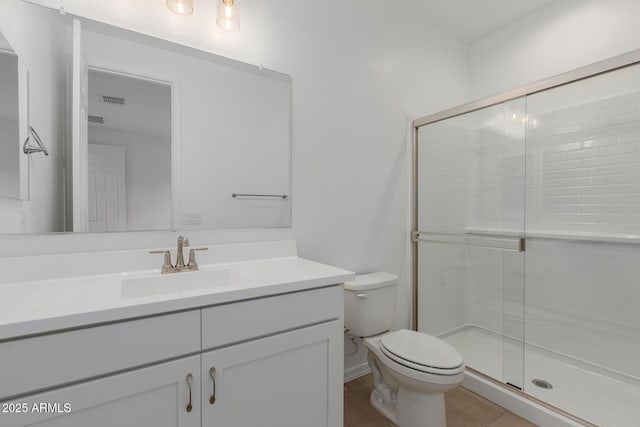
(291, 379)
(156, 396)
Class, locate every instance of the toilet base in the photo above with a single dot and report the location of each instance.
(385, 408)
(412, 409)
(420, 409)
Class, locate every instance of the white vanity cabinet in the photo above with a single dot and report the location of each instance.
(119, 374)
(155, 396)
(287, 380)
(286, 366)
(274, 360)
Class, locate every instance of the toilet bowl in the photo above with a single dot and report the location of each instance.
(410, 387)
(411, 370)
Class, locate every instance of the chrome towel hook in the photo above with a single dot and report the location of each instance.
(30, 149)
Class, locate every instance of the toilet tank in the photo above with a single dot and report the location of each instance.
(369, 302)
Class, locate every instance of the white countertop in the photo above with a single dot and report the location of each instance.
(42, 306)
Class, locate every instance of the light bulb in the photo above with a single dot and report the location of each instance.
(181, 7)
(228, 15)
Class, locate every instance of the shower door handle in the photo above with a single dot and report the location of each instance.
(485, 241)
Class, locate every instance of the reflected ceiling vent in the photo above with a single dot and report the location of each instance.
(113, 100)
(96, 119)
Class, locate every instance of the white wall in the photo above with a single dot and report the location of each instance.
(9, 166)
(9, 126)
(564, 36)
(39, 38)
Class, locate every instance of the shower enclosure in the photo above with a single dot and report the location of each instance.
(527, 238)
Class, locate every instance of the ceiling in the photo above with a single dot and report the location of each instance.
(467, 19)
(473, 19)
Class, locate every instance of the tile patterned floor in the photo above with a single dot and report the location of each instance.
(464, 409)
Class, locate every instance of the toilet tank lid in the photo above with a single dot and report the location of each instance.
(371, 281)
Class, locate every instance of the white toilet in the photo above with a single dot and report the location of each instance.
(411, 370)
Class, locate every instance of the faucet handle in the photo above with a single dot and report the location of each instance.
(167, 267)
(192, 264)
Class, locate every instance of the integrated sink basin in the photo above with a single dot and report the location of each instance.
(158, 284)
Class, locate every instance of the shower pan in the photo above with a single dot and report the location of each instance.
(526, 239)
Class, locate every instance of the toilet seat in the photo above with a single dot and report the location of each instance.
(422, 352)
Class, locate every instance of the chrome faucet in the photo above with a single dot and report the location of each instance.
(182, 242)
(180, 266)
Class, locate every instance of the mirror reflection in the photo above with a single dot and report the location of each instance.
(129, 153)
(9, 125)
(193, 129)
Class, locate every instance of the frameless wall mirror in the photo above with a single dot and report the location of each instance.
(145, 134)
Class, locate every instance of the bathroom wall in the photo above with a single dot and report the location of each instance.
(359, 76)
(37, 41)
(9, 125)
(563, 36)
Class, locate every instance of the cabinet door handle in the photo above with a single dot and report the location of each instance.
(189, 383)
(212, 374)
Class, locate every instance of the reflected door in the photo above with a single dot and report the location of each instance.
(470, 236)
(107, 188)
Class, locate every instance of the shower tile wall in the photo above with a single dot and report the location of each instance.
(442, 271)
(582, 301)
(471, 180)
(496, 206)
(583, 177)
(583, 166)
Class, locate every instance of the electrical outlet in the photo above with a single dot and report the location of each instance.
(192, 218)
(21, 219)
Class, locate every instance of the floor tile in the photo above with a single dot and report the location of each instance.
(464, 409)
(511, 420)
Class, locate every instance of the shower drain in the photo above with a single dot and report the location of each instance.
(542, 384)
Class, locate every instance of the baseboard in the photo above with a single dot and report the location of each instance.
(356, 372)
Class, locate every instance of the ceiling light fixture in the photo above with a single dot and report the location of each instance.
(228, 15)
(181, 7)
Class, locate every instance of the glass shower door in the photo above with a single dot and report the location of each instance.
(583, 237)
(470, 228)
